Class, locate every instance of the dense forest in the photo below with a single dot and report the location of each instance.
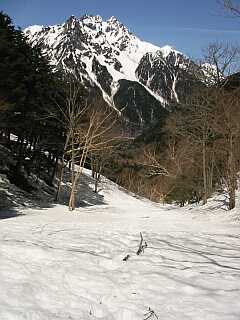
(28, 89)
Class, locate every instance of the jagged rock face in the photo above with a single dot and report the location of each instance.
(104, 78)
(80, 40)
(132, 98)
(104, 53)
(169, 76)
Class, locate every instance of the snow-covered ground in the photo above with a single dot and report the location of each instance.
(60, 265)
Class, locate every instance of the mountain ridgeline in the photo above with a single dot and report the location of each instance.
(137, 78)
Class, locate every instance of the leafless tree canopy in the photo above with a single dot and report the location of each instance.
(91, 130)
(232, 6)
(222, 59)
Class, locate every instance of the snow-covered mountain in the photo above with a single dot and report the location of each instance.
(136, 77)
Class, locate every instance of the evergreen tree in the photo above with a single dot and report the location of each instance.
(28, 90)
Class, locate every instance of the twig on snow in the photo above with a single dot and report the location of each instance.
(127, 257)
(141, 245)
(150, 314)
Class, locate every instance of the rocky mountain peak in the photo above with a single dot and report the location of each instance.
(116, 25)
(92, 22)
(70, 23)
(131, 74)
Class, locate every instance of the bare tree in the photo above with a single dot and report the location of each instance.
(160, 168)
(93, 136)
(99, 159)
(70, 117)
(219, 61)
(226, 123)
(85, 125)
(213, 126)
(189, 136)
(199, 130)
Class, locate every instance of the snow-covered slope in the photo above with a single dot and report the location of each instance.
(102, 53)
(61, 265)
(89, 37)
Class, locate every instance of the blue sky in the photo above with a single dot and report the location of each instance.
(187, 25)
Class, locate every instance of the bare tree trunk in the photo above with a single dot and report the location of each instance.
(54, 169)
(97, 180)
(205, 193)
(61, 169)
(60, 180)
(71, 204)
(232, 183)
(232, 196)
(211, 170)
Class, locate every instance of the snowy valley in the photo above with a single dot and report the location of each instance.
(61, 265)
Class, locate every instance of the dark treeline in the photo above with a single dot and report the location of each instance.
(28, 91)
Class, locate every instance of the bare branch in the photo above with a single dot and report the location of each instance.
(220, 60)
(232, 7)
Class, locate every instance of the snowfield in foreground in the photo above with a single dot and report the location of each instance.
(60, 265)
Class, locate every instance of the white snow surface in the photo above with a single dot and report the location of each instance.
(56, 264)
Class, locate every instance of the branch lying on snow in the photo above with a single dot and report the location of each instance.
(150, 314)
(141, 245)
(140, 248)
(127, 257)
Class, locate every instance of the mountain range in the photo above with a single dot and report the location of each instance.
(135, 77)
